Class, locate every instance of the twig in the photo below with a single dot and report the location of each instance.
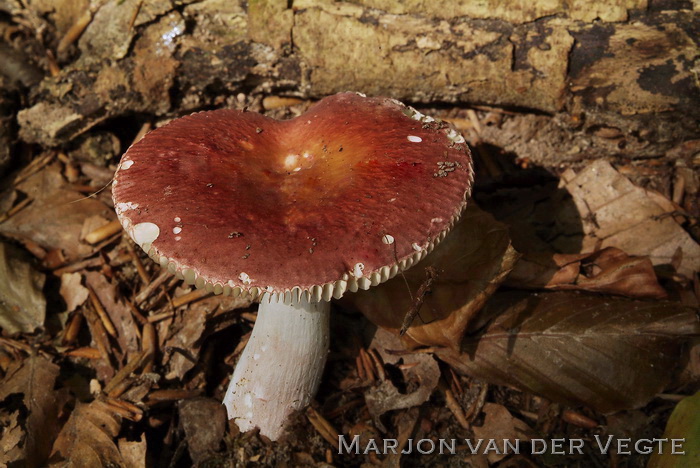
(125, 371)
(378, 364)
(192, 296)
(103, 232)
(323, 427)
(425, 287)
(75, 31)
(456, 409)
(15, 209)
(152, 286)
(107, 322)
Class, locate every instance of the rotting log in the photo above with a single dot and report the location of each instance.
(617, 76)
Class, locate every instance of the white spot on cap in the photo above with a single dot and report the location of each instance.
(125, 206)
(361, 94)
(358, 270)
(454, 136)
(177, 230)
(144, 234)
(127, 164)
(177, 219)
(290, 161)
(416, 247)
(256, 356)
(436, 220)
(388, 239)
(248, 399)
(414, 139)
(245, 278)
(177, 238)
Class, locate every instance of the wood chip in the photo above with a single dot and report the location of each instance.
(323, 427)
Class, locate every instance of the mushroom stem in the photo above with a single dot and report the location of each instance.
(281, 366)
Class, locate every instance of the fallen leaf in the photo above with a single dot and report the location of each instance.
(684, 423)
(73, 291)
(609, 271)
(617, 213)
(188, 330)
(203, 421)
(118, 312)
(34, 378)
(133, 452)
(87, 438)
(499, 426)
(55, 218)
(609, 353)
(420, 377)
(22, 302)
(471, 262)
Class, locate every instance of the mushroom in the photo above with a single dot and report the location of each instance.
(293, 213)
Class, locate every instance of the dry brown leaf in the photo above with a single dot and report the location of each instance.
(609, 353)
(500, 425)
(617, 213)
(55, 218)
(420, 374)
(203, 421)
(22, 302)
(34, 378)
(471, 262)
(73, 291)
(609, 271)
(119, 313)
(189, 329)
(87, 438)
(133, 452)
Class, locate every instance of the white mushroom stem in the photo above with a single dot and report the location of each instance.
(281, 366)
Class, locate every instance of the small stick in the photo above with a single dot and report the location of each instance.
(248, 316)
(140, 269)
(345, 407)
(323, 427)
(85, 352)
(75, 31)
(158, 317)
(367, 363)
(73, 328)
(103, 232)
(455, 383)
(578, 419)
(170, 395)
(109, 326)
(242, 344)
(149, 345)
(361, 374)
(135, 312)
(9, 342)
(32, 168)
(81, 265)
(425, 287)
(456, 409)
(192, 296)
(125, 409)
(378, 364)
(15, 209)
(152, 286)
(125, 371)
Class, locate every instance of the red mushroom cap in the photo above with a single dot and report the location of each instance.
(338, 198)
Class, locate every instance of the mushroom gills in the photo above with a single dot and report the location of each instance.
(280, 368)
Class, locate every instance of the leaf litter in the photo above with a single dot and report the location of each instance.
(533, 325)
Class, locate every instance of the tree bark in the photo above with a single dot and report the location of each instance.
(618, 76)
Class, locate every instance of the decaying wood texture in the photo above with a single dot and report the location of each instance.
(616, 74)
